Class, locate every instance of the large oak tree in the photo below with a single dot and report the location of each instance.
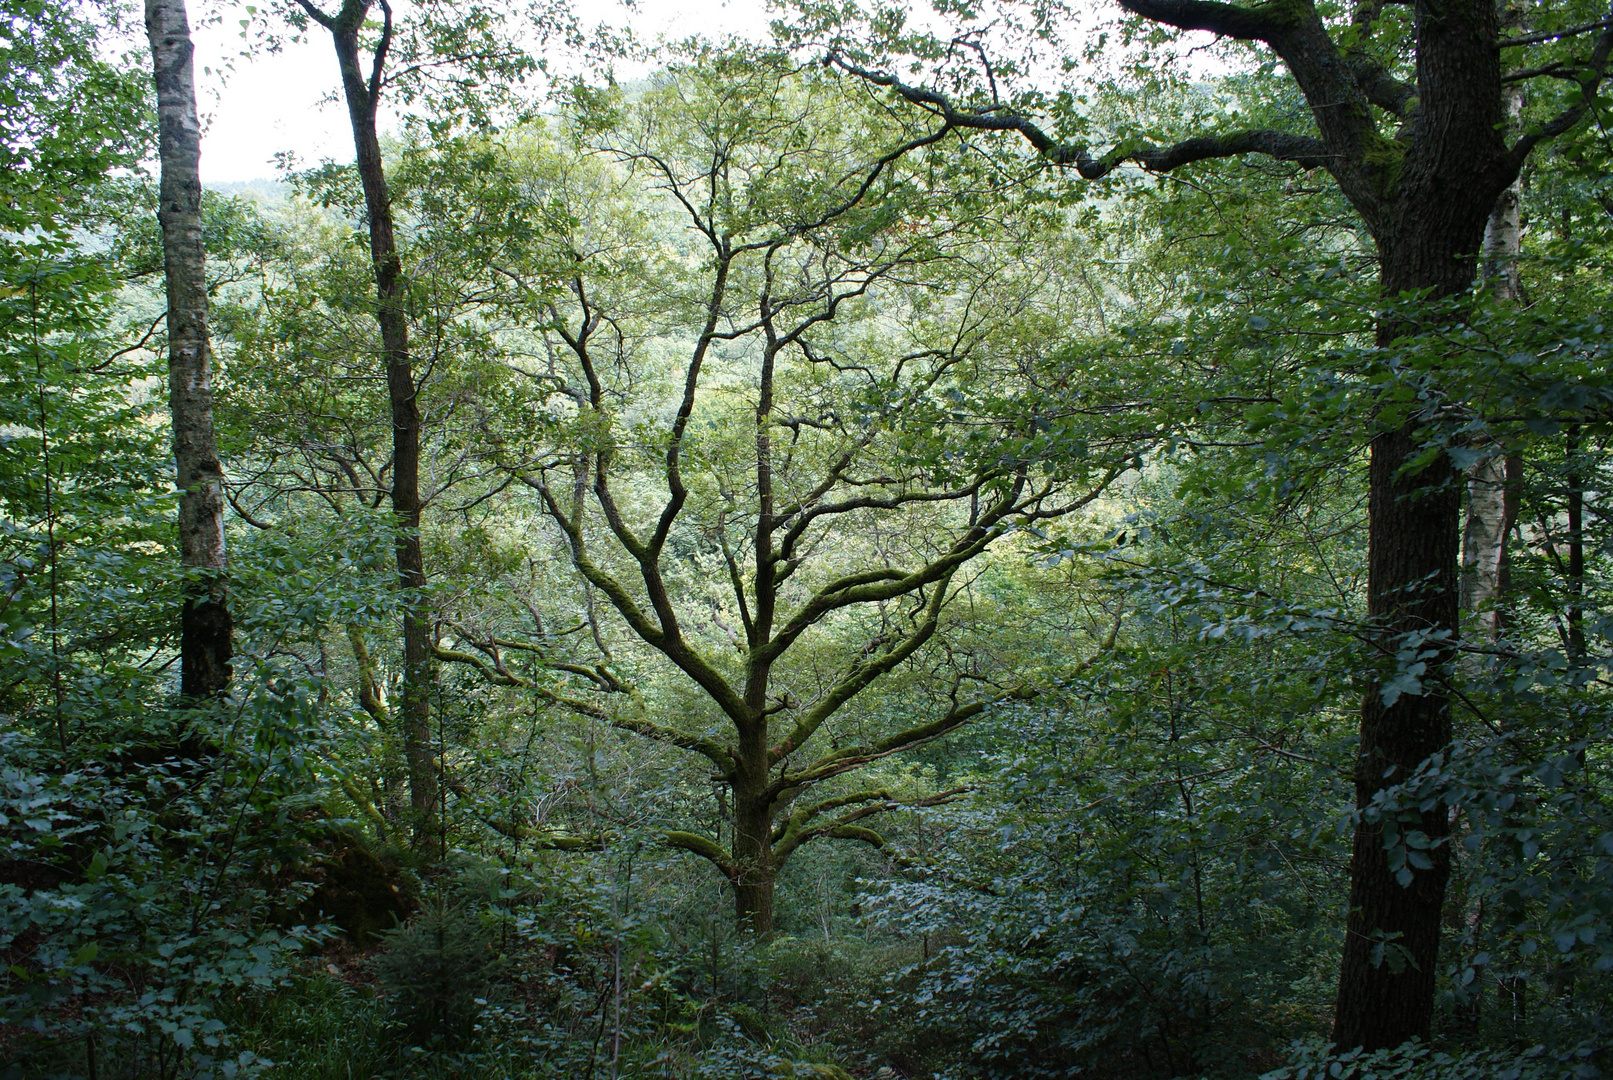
(1407, 110)
(787, 350)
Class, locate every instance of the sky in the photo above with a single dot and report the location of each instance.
(268, 104)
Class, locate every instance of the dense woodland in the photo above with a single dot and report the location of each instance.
(1029, 540)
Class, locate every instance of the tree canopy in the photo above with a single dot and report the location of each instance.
(955, 543)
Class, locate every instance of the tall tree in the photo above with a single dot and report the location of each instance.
(1421, 152)
(847, 430)
(363, 94)
(206, 633)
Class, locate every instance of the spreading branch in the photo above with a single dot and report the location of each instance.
(1589, 76)
(706, 848)
(495, 672)
(1308, 152)
(799, 829)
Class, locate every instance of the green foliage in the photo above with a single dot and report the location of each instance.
(1414, 1061)
(1144, 889)
(1144, 873)
(437, 971)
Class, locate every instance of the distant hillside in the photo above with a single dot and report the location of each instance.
(271, 190)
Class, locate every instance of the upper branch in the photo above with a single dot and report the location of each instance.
(378, 65)
(1263, 22)
(665, 636)
(1589, 76)
(862, 675)
(618, 595)
(872, 586)
(1554, 35)
(1309, 152)
(676, 491)
(1382, 89)
(350, 15)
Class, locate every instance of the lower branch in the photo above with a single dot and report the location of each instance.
(715, 752)
(844, 827)
(857, 832)
(365, 804)
(706, 848)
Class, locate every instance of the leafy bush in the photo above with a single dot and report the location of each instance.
(1417, 1061)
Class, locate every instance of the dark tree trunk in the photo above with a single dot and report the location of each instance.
(1384, 1000)
(755, 869)
(206, 634)
(363, 98)
(1425, 194)
(753, 899)
(1429, 242)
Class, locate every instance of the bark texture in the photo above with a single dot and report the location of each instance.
(206, 633)
(1428, 241)
(363, 96)
(1492, 484)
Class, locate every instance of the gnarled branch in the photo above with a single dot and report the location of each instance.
(1302, 149)
(844, 827)
(715, 752)
(706, 848)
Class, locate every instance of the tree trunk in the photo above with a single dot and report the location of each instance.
(1493, 484)
(753, 900)
(372, 698)
(1492, 496)
(1456, 167)
(1425, 194)
(1576, 547)
(363, 98)
(1492, 508)
(206, 633)
(755, 869)
(1391, 947)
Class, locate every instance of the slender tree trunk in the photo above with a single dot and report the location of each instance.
(363, 99)
(206, 634)
(1492, 495)
(372, 697)
(1493, 484)
(1492, 510)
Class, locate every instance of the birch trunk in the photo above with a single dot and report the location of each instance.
(206, 631)
(1492, 503)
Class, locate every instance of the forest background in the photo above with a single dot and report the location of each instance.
(989, 542)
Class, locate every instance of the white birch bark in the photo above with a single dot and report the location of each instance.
(1491, 502)
(206, 632)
